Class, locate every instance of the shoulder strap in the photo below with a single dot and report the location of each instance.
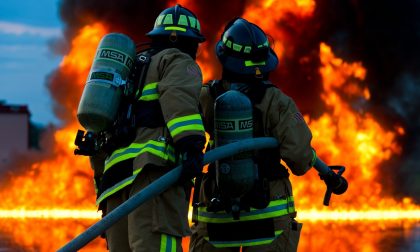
(216, 88)
(142, 65)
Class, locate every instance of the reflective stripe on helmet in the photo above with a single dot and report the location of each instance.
(276, 208)
(168, 19)
(159, 20)
(182, 20)
(238, 47)
(193, 21)
(252, 63)
(175, 28)
(185, 123)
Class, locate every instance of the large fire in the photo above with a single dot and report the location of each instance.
(344, 134)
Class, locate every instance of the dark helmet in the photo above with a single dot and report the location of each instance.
(177, 21)
(244, 49)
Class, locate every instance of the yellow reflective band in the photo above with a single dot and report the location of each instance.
(137, 171)
(149, 97)
(175, 28)
(159, 149)
(247, 49)
(163, 239)
(249, 63)
(159, 20)
(149, 148)
(244, 243)
(193, 21)
(185, 123)
(115, 189)
(278, 232)
(193, 127)
(150, 86)
(183, 118)
(313, 158)
(150, 92)
(111, 161)
(183, 20)
(168, 19)
(237, 47)
(167, 243)
(276, 208)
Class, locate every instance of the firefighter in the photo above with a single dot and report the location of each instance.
(168, 131)
(268, 222)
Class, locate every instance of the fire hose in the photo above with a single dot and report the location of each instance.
(164, 182)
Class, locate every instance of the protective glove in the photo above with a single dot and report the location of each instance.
(191, 150)
(335, 182)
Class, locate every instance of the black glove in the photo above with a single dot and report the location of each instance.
(191, 150)
(335, 182)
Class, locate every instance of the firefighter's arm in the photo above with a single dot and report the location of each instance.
(179, 91)
(289, 127)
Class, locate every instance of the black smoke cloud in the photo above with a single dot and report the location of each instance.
(384, 35)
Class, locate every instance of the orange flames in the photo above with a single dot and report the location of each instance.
(353, 139)
(344, 134)
(267, 14)
(63, 186)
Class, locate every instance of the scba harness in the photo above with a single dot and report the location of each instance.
(253, 222)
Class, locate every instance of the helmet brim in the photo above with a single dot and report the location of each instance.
(238, 66)
(162, 32)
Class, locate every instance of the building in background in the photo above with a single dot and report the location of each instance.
(14, 131)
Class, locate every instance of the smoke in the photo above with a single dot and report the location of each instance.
(384, 35)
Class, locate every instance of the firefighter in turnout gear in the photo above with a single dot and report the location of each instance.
(168, 131)
(266, 220)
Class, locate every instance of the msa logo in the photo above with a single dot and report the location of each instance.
(225, 125)
(111, 54)
(245, 124)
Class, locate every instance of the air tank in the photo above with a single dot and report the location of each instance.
(233, 120)
(104, 89)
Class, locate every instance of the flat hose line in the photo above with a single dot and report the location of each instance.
(163, 183)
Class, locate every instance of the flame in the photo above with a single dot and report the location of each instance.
(268, 14)
(352, 138)
(63, 185)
